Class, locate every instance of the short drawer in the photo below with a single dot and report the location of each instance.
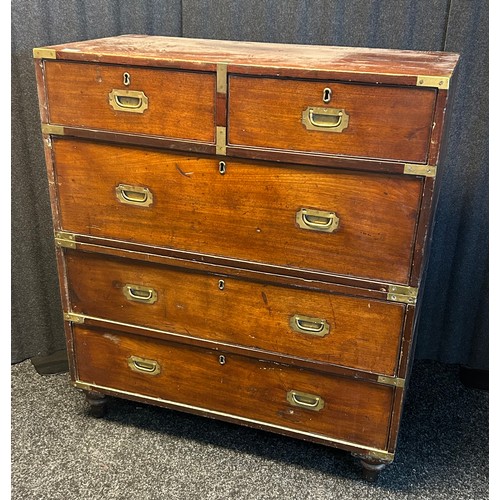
(369, 121)
(159, 102)
(305, 401)
(348, 331)
(316, 219)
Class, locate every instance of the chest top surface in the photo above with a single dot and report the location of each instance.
(355, 63)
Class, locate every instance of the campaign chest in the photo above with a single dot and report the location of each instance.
(242, 229)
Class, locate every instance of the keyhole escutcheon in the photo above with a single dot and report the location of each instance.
(327, 95)
(126, 79)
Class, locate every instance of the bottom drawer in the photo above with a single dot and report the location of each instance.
(306, 401)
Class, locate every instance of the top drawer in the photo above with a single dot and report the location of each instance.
(357, 120)
(161, 102)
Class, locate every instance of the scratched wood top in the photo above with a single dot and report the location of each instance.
(297, 60)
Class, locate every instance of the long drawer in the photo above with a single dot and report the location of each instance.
(305, 401)
(370, 121)
(132, 100)
(353, 224)
(348, 331)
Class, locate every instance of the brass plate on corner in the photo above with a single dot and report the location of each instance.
(425, 170)
(439, 82)
(404, 294)
(65, 240)
(393, 381)
(49, 129)
(43, 53)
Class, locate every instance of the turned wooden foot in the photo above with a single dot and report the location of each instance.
(371, 469)
(97, 402)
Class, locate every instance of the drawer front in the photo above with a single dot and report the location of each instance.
(331, 328)
(161, 102)
(370, 121)
(183, 202)
(340, 408)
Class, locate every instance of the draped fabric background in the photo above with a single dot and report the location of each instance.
(454, 323)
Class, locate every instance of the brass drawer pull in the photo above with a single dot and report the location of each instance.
(134, 195)
(139, 293)
(317, 220)
(325, 119)
(141, 365)
(305, 400)
(312, 326)
(132, 101)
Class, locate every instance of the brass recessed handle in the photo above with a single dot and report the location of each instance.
(325, 119)
(132, 101)
(305, 400)
(317, 220)
(310, 326)
(134, 195)
(142, 365)
(138, 293)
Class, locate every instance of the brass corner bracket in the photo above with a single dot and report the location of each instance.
(44, 53)
(74, 317)
(439, 82)
(405, 294)
(424, 170)
(393, 381)
(65, 240)
(50, 129)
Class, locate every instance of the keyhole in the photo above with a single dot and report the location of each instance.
(327, 95)
(126, 79)
(221, 284)
(222, 167)
(222, 359)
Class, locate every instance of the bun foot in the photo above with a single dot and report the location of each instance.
(97, 402)
(371, 467)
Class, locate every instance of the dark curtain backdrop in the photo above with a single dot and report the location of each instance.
(454, 322)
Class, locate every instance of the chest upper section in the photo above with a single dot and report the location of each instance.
(249, 99)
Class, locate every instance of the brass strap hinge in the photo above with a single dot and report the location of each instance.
(43, 53)
(65, 240)
(74, 317)
(425, 170)
(393, 381)
(438, 82)
(222, 78)
(405, 294)
(49, 129)
(220, 145)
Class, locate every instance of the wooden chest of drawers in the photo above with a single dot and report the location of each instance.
(242, 228)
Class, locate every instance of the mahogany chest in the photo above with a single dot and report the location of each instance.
(242, 228)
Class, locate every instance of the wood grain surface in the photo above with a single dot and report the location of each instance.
(264, 58)
(364, 334)
(78, 96)
(354, 411)
(248, 213)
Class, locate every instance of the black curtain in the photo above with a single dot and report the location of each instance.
(454, 322)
